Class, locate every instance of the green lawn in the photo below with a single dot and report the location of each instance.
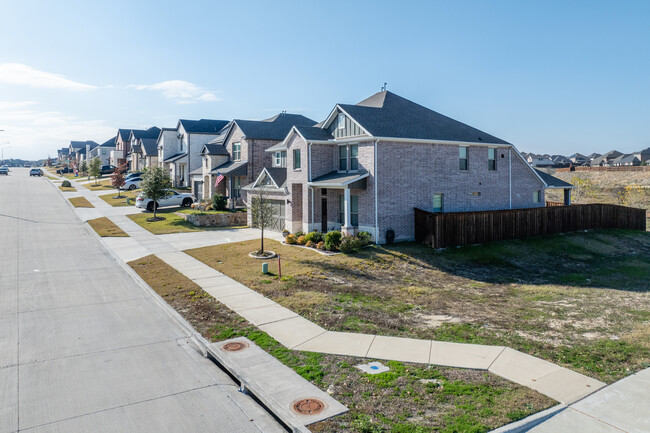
(575, 299)
(172, 223)
(113, 201)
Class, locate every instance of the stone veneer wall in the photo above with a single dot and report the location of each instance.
(216, 220)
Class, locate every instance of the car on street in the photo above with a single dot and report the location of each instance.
(184, 199)
(107, 169)
(4, 170)
(131, 183)
(36, 172)
(135, 174)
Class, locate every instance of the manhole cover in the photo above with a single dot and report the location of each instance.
(234, 346)
(308, 406)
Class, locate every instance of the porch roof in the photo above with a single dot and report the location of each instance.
(341, 180)
(197, 171)
(553, 182)
(232, 168)
(176, 157)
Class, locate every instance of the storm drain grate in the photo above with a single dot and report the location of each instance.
(235, 346)
(308, 406)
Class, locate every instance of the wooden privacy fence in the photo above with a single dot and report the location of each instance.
(620, 168)
(442, 230)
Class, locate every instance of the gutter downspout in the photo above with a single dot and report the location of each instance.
(310, 189)
(510, 176)
(376, 195)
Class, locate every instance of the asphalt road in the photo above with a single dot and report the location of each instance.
(83, 346)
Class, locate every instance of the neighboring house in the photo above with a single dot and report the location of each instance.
(122, 147)
(560, 160)
(243, 153)
(62, 154)
(135, 155)
(626, 160)
(579, 159)
(367, 166)
(592, 156)
(643, 156)
(183, 154)
(605, 159)
(77, 151)
(103, 151)
(149, 149)
(540, 160)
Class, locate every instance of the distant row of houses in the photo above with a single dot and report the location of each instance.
(363, 168)
(612, 158)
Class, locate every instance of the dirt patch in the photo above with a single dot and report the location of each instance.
(408, 398)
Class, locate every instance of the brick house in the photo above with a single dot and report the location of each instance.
(135, 154)
(179, 149)
(122, 147)
(239, 153)
(103, 151)
(368, 165)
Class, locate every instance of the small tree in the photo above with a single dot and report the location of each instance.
(95, 168)
(118, 180)
(84, 167)
(262, 213)
(631, 195)
(584, 188)
(156, 185)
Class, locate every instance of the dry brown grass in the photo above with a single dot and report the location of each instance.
(106, 228)
(67, 188)
(80, 202)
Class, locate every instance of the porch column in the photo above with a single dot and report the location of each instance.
(346, 228)
(567, 196)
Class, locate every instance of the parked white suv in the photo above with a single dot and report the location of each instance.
(184, 199)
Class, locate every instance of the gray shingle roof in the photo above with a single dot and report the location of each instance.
(150, 146)
(552, 181)
(124, 133)
(152, 132)
(203, 126)
(279, 175)
(274, 128)
(214, 149)
(626, 158)
(109, 143)
(232, 168)
(314, 133)
(386, 114)
(175, 157)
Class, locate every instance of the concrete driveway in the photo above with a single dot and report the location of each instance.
(84, 346)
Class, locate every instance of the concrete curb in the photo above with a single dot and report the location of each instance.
(526, 424)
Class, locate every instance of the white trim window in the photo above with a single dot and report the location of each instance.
(463, 160)
(340, 121)
(343, 158)
(236, 151)
(279, 159)
(354, 157)
(354, 210)
(492, 159)
(537, 194)
(236, 187)
(296, 159)
(438, 202)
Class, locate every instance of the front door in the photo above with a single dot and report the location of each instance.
(323, 215)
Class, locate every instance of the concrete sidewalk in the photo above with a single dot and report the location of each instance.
(85, 346)
(296, 332)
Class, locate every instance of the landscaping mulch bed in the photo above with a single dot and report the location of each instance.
(106, 228)
(80, 202)
(408, 398)
(580, 300)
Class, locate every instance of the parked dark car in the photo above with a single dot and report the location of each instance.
(4, 170)
(36, 172)
(64, 170)
(107, 169)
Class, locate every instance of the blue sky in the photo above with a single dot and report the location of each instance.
(548, 76)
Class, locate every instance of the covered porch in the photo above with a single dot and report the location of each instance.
(178, 169)
(230, 186)
(337, 187)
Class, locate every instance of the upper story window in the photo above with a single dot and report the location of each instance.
(462, 155)
(492, 159)
(296, 159)
(341, 121)
(343, 158)
(280, 159)
(103, 151)
(354, 157)
(236, 151)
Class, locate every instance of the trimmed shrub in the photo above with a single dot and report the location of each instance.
(315, 237)
(219, 202)
(290, 239)
(310, 244)
(285, 233)
(349, 244)
(66, 184)
(320, 245)
(301, 240)
(332, 240)
(298, 234)
(364, 238)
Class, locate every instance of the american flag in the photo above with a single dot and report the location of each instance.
(219, 179)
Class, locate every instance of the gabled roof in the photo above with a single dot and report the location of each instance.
(202, 126)
(80, 144)
(274, 128)
(627, 158)
(232, 168)
(594, 155)
(579, 156)
(149, 146)
(136, 148)
(223, 134)
(175, 157)
(386, 114)
(277, 176)
(214, 149)
(314, 133)
(124, 133)
(152, 132)
(552, 181)
(109, 143)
